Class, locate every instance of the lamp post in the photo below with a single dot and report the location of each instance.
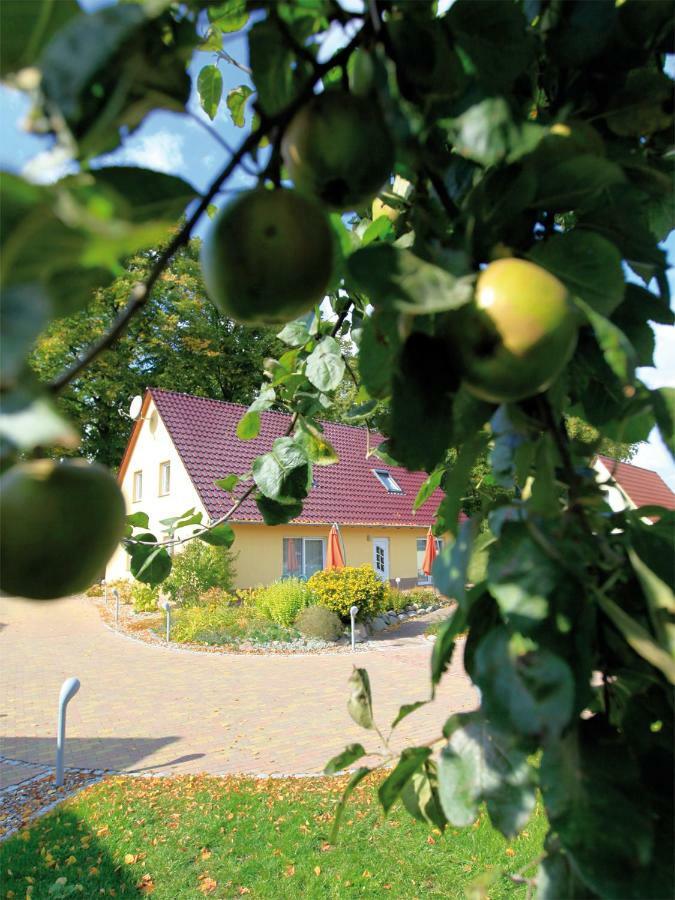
(68, 690)
(116, 595)
(352, 614)
(166, 606)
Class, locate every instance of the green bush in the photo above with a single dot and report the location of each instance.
(144, 597)
(215, 595)
(422, 597)
(319, 622)
(198, 568)
(96, 590)
(396, 600)
(339, 589)
(281, 601)
(123, 586)
(225, 624)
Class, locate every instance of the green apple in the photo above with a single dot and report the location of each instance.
(338, 148)
(61, 523)
(518, 334)
(268, 257)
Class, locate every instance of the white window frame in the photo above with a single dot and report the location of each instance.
(137, 479)
(303, 573)
(387, 480)
(164, 467)
(423, 579)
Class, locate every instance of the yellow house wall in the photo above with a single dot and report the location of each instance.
(154, 446)
(259, 549)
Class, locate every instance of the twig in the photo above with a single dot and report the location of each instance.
(227, 57)
(141, 292)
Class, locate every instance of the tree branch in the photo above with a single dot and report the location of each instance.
(140, 293)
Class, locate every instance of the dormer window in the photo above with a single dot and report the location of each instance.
(387, 481)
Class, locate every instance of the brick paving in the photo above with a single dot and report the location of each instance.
(145, 708)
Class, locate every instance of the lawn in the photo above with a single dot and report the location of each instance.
(197, 836)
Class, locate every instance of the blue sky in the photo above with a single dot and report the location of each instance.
(174, 143)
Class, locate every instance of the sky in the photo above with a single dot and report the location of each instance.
(178, 144)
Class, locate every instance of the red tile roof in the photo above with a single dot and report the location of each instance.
(644, 487)
(204, 433)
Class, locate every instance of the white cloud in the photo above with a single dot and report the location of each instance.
(49, 166)
(161, 151)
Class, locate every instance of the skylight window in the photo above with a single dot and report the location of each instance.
(388, 481)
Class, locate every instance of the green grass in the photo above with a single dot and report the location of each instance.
(195, 836)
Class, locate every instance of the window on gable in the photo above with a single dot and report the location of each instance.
(302, 557)
(164, 478)
(388, 481)
(137, 487)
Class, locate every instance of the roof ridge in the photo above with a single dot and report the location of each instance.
(631, 465)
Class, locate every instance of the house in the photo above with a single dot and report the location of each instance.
(181, 444)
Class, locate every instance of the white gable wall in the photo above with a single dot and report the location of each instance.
(617, 499)
(153, 447)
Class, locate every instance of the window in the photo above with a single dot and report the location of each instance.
(422, 577)
(137, 489)
(164, 478)
(388, 481)
(302, 557)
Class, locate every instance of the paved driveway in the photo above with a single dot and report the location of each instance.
(145, 708)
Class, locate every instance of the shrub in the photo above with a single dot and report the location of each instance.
(214, 596)
(422, 597)
(96, 590)
(396, 600)
(198, 568)
(339, 589)
(319, 622)
(281, 601)
(123, 585)
(225, 624)
(144, 597)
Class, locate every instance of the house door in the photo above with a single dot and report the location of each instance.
(381, 558)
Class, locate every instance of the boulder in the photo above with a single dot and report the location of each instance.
(360, 633)
(402, 617)
(379, 623)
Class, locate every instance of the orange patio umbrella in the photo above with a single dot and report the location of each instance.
(335, 557)
(430, 553)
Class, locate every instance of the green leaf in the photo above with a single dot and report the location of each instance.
(379, 344)
(248, 427)
(638, 637)
(660, 602)
(400, 279)
(360, 702)
(663, 404)
(27, 26)
(377, 229)
(420, 796)
(588, 264)
(487, 134)
(325, 366)
(444, 645)
(276, 72)
(265, 399)
(28, 421)
(457, 480)
(318, 448)
(295, 334)
(236, 103)
(521, 577)
(406, 710)
(228, 483)
(429, 485)
(343, 760)
(219, 536)
(138, 520)
(23, 314)
(210, 88)
(576, 183)
(529, 692)
(556, 879)
(357, 777)
(596, 802)
(411, 759)
(274, 513)
(229, 16)
(285, 473)
(616, 348)
(150, 562)
(480, 765)
(451, 564)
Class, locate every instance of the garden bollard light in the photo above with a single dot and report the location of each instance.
(68, 690)
(166, 606)
(398, 584)
(352, 613)
(116, 595)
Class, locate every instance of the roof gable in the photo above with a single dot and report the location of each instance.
(204, 433)
(642, 486)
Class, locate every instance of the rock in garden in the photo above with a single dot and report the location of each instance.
(379, 623)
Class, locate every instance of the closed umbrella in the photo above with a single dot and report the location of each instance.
(335, 558)
(430, 553)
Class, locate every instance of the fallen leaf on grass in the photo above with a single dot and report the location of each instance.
(289, 871)
(207, 885)
(146, 885)
(317, 870)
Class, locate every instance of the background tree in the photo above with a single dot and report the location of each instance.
(182, 343)
(536, 137)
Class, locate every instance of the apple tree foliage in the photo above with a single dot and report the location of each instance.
(534, 129)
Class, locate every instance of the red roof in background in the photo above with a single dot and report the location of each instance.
(644, 487)
(204, 432)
